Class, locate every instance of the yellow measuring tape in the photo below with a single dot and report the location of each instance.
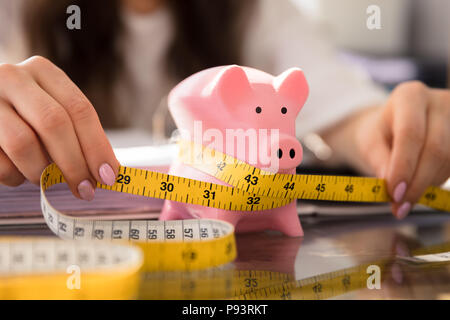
(202, 243)
(251, 188)
(48, 268)
(275, 190)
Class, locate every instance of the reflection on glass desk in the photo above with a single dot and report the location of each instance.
(331, 261)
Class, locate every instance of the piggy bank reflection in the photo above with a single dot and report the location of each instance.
(255, 104)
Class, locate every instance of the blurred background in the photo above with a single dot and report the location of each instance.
(412, 43)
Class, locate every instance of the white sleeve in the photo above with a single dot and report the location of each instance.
(279, 37)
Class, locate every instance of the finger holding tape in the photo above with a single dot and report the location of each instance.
(434, 165)
(53, 126)
(407, 110)
(96, 148)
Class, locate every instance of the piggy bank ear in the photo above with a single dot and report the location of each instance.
(231, 85)
(292, 85)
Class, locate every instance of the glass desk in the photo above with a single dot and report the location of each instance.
(333, 254)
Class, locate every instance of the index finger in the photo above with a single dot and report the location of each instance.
(409, 115)
(95, 146)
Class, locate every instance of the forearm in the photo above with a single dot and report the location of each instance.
(342, 139)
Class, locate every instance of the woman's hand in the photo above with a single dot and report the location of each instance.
(407, 142)
(44, 117)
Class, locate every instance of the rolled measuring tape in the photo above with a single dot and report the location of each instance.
(48, 268)
(168, 245)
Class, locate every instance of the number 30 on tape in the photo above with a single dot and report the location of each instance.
(197, 244)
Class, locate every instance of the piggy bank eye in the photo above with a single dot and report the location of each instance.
(258, 109)
(283, 110)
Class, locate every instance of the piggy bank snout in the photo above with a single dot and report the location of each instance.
(288, 151)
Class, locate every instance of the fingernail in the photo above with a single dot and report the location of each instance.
(86, 190)
(397, 273)
(402, 250)
(399, 192)
(403, 210)
(107, 174)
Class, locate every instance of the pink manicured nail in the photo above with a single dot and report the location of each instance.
(86, 190)
(107, 174)
(399, 192)
(403, 210)
(397, 273)
(402, 250)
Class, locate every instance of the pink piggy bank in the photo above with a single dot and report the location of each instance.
(249, 102)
